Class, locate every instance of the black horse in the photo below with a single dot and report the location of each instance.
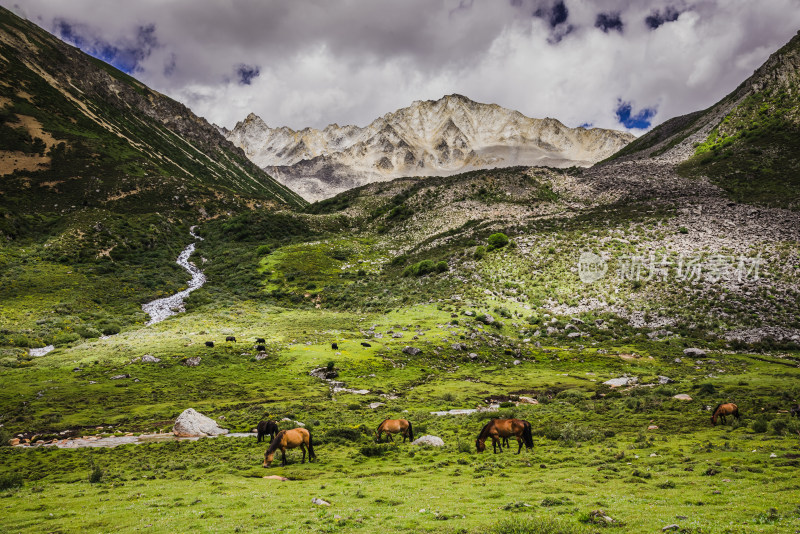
(266, 427)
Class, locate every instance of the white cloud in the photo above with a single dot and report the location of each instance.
(349, 62)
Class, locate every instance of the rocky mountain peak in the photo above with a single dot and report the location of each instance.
(427, 138)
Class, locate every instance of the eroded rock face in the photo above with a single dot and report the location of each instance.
(191, 423)
(428, 138)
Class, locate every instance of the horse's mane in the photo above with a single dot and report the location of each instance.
(381, 423)
(485, 430)
(276, 443)
(717, 408)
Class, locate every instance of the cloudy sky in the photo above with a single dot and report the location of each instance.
(626, 64)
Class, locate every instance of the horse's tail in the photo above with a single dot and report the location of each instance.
(526, 435)
(311, 453)
(410, 432)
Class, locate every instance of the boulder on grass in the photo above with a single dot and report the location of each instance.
(428, 441)
(192, 423)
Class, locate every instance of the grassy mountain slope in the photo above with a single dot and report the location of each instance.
(747, 143)
(100, 178)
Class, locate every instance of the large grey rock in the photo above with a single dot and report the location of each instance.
(694, 352)
(458, 346)
(192, 423)
(411, 351)
(665, 380)
(192, 362)
(324, 373)
(682, 396)
(622, 381)
(149, 358)
(428, 441)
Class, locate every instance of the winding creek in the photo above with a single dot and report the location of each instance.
(160, 309)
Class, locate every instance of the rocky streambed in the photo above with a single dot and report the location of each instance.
(160, 309)
(115, 441)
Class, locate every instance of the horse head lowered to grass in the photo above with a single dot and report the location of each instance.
(499, 429)
(290, 439)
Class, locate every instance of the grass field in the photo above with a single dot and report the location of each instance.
(592, 447)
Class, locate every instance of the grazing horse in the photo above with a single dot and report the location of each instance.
(365, 344)
(266, 427)
(230, 338)
(394, 426)
(260, 340)
(723, 410)
(289, 439)
(505, 428)
(209, 343)
(335, 346)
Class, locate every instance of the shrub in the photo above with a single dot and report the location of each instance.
(760, 425)
(374, 449)
(110, 328)
(88, 332)
(537, 525)
(498, 240)
(441, 266)
(5, 435)
(62, 338)
(480, 252)
(420, 268)
(263, 250)
(96, 475)
(10, 480)
(343, 435)
(706, 389)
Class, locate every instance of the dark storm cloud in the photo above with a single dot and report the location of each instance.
(657, 17)
(246, 73)
(313, 62)
(608, 22)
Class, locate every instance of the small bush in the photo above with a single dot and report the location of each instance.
(374, 449)
(480, 252)
(498, 240)
(441, 266)
(10, 480)
(537, 525)
(420, 268)
(263, 250)
(760, 425)
(96, 475)
(706, 389)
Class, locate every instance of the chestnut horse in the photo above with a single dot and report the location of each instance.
(498, 429)
(264, 428)
(289, 439)
(394, 426)
(723, 410)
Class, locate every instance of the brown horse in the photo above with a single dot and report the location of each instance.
(723, 410)
(289, 439)
(498, 429)
(394, 426)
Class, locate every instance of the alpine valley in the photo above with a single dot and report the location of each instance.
(461, 262)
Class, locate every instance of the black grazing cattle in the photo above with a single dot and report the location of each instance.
(335, 346)
(230, 338)
(260, 348)
(209, 343)
(365, 344)
(260, 340)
